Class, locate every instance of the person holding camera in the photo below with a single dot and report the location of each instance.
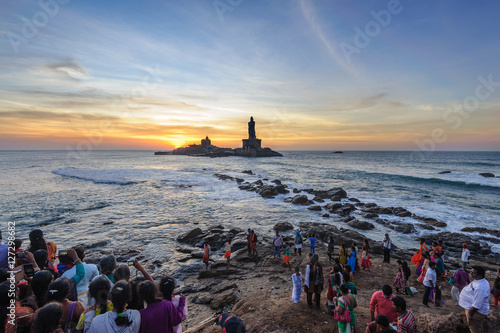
(90, 272)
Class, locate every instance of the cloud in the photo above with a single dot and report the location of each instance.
(68, 67)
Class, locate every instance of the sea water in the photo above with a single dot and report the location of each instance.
(137, 199)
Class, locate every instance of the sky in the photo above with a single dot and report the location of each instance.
(315, 75)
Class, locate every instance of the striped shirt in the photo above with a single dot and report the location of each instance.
(407, 323)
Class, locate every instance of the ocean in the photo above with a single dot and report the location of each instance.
(134, 198)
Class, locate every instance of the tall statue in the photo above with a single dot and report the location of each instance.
(251, 129)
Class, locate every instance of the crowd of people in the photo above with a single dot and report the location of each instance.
(43, 290)
(388, 311)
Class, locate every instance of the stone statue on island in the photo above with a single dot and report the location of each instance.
(252, 146)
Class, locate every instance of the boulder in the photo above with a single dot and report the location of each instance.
(296, 190)
(315, 208)
(487, 175)
(430, 221)
(268, 191)
(333, 206)
(336, 198)
(225, 298)
(276, 181)
(258, 182)
(318, 199)
(248, 172)
(371, 215)
(283, 226)
(300, 199)
(337, 191)
(401, 212)
(377, 210)
(354, 200)
(495, 233)
(362, 225)
(325, 215)
(190, 236)
(288, 199)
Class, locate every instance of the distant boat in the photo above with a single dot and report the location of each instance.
(163, 153)
(338, 152)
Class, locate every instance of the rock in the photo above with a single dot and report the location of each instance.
(98, 244)
(370, 205)
(377, 210)
(184, 249)
(239, 180)
(360, 225)
(235, 231)
(347, 219)
(336, 198)
(371, 215)
(325, 215)
(318, 199)
(258, 183)
(401, 212)
(190, 235)
(443, 172)
(451, 323)
(315, 208)
(204, 274)
(296, 190)
(283, 226)
(248, 172)
(300, 199)
(288, 199)
(337, 191)
(225, 298)
(268, 191)
(426, 226)
(487, 174)
(430, 221)
(202, 298)
(405, 228)
(276, 181)
(354, 200)
(495, 233)
(333, 206)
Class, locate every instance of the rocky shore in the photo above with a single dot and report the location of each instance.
(258, 289)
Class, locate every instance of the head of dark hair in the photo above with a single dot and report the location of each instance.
(17, 243)
(336, 269)
(347, 268)
(344, 289)
(99, 289)
(147, 291)
(4, 294)
(4, 274)
(399, 262)
(120, 296)
(405, 264)
(399, 302)
(167, 286)
(40, 284)
(456, 265)
(479, 270)
(122, 272)
(387, 290)
(108, 265)
(434, 243)
(58, 290)
(337, 261)
(432, 264)
(80, 252)
(422, 240)
(297, 269)
(37, 242)
(48, 318)
(346, 276)
(41, 258)
(382, 320)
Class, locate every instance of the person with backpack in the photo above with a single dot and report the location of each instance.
(277, 243)
(298, 242)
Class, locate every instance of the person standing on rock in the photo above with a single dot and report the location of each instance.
(417, 257)
(298, 242)
(387, 248)
(459, 280)
(312, 243)
(465, 255)
(227, 252)
(286, 255)
(314, 281)
(331, 248)
(381, 303)
(253, 243)
(206, 254)
(248, 242)
(430, 284)
(297, 285)
(277, 243)
(474, 298)
(343, 254)
(406, 320)
(365, 256)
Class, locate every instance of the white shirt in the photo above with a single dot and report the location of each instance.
(430, 276)
(91, 272)
(387, 243)
(227, 247)
(476, 294)
(105, 323)
(465, 255)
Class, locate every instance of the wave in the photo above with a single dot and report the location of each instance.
(470, 181)
(97, 176)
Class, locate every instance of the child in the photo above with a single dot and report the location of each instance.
(297, 285)
(365, 257)
(206, 254)
(227, 254)
(400, 280)
(286, 255)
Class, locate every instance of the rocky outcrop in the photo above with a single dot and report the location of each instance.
(248, 172)
(405, 228)
(216, 236)
(300, 200)
(453, 243)
(315, 208)
(487, 175)
(225, 298)
(495, 233)
(362, 225)
(430, 221)
(283, 226)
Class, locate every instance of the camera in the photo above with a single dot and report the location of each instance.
(63, 253)
(130, 262)
(20, 255)
(28, 270)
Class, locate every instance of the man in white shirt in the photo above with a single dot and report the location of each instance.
(474, 298)
(91, 272)
(430, 284)
(277, 242)
(465, 256)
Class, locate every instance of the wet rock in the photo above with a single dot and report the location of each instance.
(98, 244)
(425, 226)
(371, 215)
(325, 215)
(258, 182)
(276, 181)
(401, 212)
(347, 219)
(248, 172)
(482, 230)
(315, 208)
(444, 172)
(235, 231)
(430, 221)
(377, 210)
(318, 199)
(225, 298)
(300, 200)
(487, 174)
(354, 200)
(190, 235)
(268, 191)
(370, 205)
(333, 206)
(296, 190)
(283, 226)
(362, 225)
(184, 249)
(336, 198)
(239, 180)
(288, 199)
